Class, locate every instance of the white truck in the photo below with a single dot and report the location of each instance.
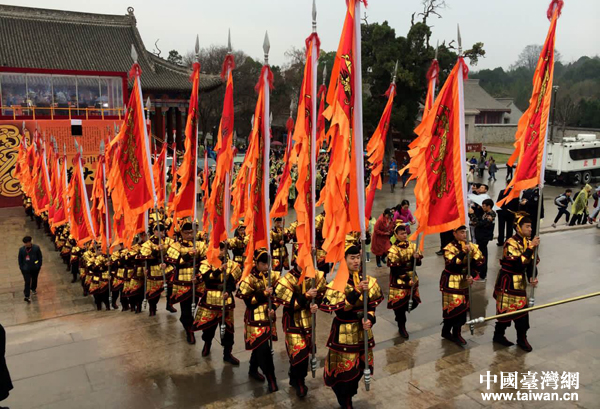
(574, 160)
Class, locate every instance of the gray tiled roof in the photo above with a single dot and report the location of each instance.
(477, 98)
(66, 40)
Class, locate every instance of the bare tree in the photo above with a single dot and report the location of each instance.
(566, 112)
(529, 57)
(430, 7)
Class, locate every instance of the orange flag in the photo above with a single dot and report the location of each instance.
(239, 190)
(159, 173)
(52, 171)
(438, 159)
(173, 179)
(60, 208)
(376, 150)
(82, 228)
(257, 210)
(220, 198)
(282, 197)
(531, 136)
(184, 201)
(130, 178)
(321, 134)
(432, 77)
(41, 183)
(344, 187)
(99, 208)
(306, 147)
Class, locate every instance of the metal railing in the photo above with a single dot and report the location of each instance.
(70, 112)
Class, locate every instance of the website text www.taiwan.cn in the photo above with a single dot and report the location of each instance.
(531, 386)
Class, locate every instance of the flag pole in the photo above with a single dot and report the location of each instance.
(463, 150)
(360, 180)
(194, 224)
(265, 181)
(106, 220)
(313, 161)
(134, 56)
(226, 207)
(415, 277)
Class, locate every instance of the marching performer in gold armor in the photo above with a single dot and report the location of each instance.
(133, 287)
(279, 254)
(85, 263)
(401, 259)
(345, 361)
(151, 253)
(181, 254)
(237, 244)
(455, 282)
(98, 267)
(210, 312)
(118, 272)
(255, 292)
(510, 290)
(296, 300)
(74, 258)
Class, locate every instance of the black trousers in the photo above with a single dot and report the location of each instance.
(505, 225)
(261, 358)
(455, 323)
(31, 279)
(298, 372)
(483, 246)
(100, 299)
(344, 391)
(169, 293)
(115, 297)
(227, 342)
(561, 211)
(521, 325)
(400, 314)
(186, 318)
(380, 259)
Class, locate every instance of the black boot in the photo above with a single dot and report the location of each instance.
(206, 349)
(228, 357)
(402, 331)
(446, 334)
(170, 308)
(457, 337)
(254, 374)
(301, 389)
(500, 338)
(522, 341)
(190, 336)
(272, 383)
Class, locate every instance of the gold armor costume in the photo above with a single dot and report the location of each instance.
(237, 245)
(256, 318)
(345, 359)
(401, 260)
(178, 254)
(150, 252)
(279, 253)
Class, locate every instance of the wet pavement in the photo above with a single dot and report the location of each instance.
(63, 354)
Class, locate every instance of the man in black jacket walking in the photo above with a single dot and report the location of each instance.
(30, 263)
(484, 232)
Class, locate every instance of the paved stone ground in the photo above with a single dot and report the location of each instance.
(63, 354)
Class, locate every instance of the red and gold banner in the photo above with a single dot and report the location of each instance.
(218, 200)
(303, 138)
(41, 183)
(531, 136)
(340, 97)
(82, 229)
(184, 202)
(159, 173)
(60, 205)
(436, 161)
(376, 150)
(321, 134)
(99, 206)
(173, 179)
(256, 210)
(282, 197)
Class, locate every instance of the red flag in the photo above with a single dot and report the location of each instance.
(305, 148)
(531, 136)
(130, 178)
(52, 171)
(158, 171)
(204, 188)
(41, 183)
(376, 150)
(173, 179)
(344, 187)
(219, 201)
(60, 208)
(82, 228)
(99, 208)
(321, 134)
(257, 210)
(184, 202)
(280, 205)
(438, 159)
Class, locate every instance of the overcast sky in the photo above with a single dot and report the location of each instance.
(504, 26)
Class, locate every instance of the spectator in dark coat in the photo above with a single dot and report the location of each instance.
(529, 204)
(506, 217)
(30, 263)
(5, 382)
(484, 232)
